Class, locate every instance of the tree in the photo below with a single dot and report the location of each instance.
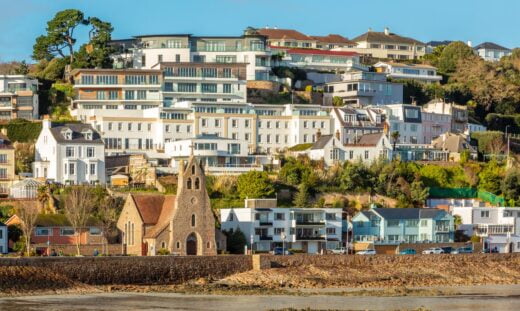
(337, 101)
(395, 138)
(24, 156)
(355, 177)
(451, 55)
(491, 177)
(60, 36)
(236, 241)
(22, 68)
(107, 214)
(96, 53)
(511, 186)
(301, 199)
(254, 184)
(28, 212)
(79, 203)
(418, 192)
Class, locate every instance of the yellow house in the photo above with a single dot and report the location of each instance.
(7, 165)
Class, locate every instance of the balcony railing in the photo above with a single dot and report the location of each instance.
(199, 75)
(265, 238)
(265, 223)
(310, 222)
(442, 228)
(310, 237)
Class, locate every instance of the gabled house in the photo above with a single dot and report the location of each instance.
(402, 71)
(491, 51)
(403, 225)
(455, 144)
(69, 154)
(389, 45)
(181, 224)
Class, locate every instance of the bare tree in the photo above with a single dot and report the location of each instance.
(496, 146)
(28, 212)
(107, 214)
(79, 204)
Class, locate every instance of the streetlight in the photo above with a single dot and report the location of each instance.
(282, 236)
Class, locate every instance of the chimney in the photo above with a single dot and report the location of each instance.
(46, 123)
(338, 135)
(369, 29)
(318, 134)
(470, 44)
(387, 31)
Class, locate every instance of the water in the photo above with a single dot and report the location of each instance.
(469, 298)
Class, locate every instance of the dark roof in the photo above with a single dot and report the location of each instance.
(2, 224)
(321, 142)
(438, 43)
(333, 38)
(77, 136)
(373, 36)
(117, 161)
(370, 139)
(283, 34)
(490, 46)
(59, 220)
(407, 213)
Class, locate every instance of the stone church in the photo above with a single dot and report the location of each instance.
(181, 224)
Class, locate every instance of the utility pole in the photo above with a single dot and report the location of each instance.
(507, 155)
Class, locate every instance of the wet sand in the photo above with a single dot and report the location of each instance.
(490, 297)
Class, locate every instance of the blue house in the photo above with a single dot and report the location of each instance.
(403, 225)
(3, 238)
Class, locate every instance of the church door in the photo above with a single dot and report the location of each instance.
(191, 245)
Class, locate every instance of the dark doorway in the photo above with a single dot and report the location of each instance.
(191, 245)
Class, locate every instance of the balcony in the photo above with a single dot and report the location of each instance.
(264, 223)
(303, 222)
(310, 238)
(265, 238)
(229, 49)
(199, 76)
(442, 228)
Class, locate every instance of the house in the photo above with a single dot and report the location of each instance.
(3, 238)
(491, 52)
(181, 224)
(361, 88)
(351, 123)
(455, 144)
(7, 164)
(407, 121)
(291, 38)
(389, 45)
(266, 226)
(402, 71)
(219, 155)
(434, 124)
(403, 225)
(18, 97)
(498, 226)
(53, 232)
(69, 154)
(318, 60)
(459, 113)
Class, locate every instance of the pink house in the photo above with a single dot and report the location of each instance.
(434, 124)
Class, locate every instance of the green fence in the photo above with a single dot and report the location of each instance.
(466, 193)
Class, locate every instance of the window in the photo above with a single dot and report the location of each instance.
(187, 87)
(141, 94)
(94, 231)
(279, 231)
(67, 231)
(393, 238)
(217, 122)
(204, 122)
(412, 223)
(366, 154)
(424, 222)
(129, 95)
(92, 169)
(91, 152)
(484, 214)
(69, 152)
(330, 216)
(393, 223)
(43, 232)
(279, 216)
(331, 230)
(193, 220)
(72, 168)
(129, 126)
(208, 88)
(226, 88)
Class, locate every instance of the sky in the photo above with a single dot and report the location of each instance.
(21, 21)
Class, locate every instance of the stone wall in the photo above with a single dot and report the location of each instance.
(137, 270)
(264, 85)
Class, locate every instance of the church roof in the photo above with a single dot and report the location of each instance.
(149, 207)
(167, 210)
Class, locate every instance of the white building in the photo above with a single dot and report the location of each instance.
(18, 97)
(218, 155)
(3, 239)
(352, 123)
(69, 154)
(500, 226)
(149, 50)
(418, 72)
(491, 52)
(407, 121)
(362, 88)
(266, 226)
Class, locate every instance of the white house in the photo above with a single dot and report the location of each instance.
(418, 72)
(18, 97)
(3, 239)
(499, 226)
(407, 121)
(491, 51)
(266, 226)
(69, 154)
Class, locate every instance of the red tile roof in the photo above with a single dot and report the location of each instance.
(284, 34)
(333, 38)
(168, 208)
(149, 207)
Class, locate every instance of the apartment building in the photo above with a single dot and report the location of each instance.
(122, 90)
(290, 38)
(401, 71)
(203, 82)
(403, 225)
(69, 154)
(351, 123)
(407, 121)
(459, 113)
(7, 165)
(18, 97)
(148, 50)
(389, 45)
(317, 60)
(219, 155)
(499, 226)
(491, 52)
(266, 226)
(360, 88)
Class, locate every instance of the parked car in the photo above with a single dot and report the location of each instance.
(367, 252)
(463, 250)
(433, 250)
(447, 249)
(493, 250)
(408, 251)
(281, 251)
(339, 250)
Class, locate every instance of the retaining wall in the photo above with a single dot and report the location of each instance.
(137, 270)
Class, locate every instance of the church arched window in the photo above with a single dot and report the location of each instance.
(193, 169)
(197, 183)
(193, 220)
(188, 183)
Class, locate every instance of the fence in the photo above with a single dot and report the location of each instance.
(466, 193)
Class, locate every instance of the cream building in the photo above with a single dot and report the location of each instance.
(388, 45)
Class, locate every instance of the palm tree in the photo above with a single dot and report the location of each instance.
(395, 137)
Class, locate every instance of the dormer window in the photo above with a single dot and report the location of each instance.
(67, 134)
(87, 134)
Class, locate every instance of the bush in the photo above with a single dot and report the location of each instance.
(163, 252)
(19, 130)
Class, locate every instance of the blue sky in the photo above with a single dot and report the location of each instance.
(476, 20)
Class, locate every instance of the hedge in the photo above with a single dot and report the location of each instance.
(22, 130)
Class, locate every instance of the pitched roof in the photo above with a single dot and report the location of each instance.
(27, 183)
(491, 46)
(370, 139)
(373, 36)
(407, 213)
(149, 207)
(333, 38)
(322, 141)
(452, 142)
(166, 215)
(283, 34)
(60, 220)
(315, 51)
(77, 136)
(438, 43)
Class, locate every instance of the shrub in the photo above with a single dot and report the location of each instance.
(163, 252)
